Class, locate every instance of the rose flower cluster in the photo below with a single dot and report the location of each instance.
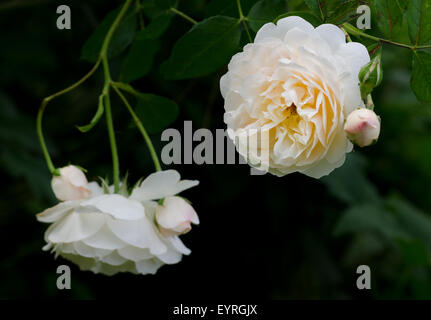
(296, 85)
(110, 233)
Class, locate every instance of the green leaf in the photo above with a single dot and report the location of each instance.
(78, 166)
(338, 12)
(121, 39)
(205, 48)
(124, 189)
(228, 7)
(105, 185)
(157, 26)
(315, 21)
(415, 252)
(315, 7)
(364, 246)
(265, 11)
(421, 75)
(164, 4)
(334, 11)
(153, 8)
(350, 184)
(155, 112)
(369, 218)
(418, 16)
(137, 183)
(96, 118)
(139, 59)
(389, 17)
(374, 49)
(414, 221)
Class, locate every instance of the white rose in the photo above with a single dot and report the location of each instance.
(362, 127)
(110, 233)
(71, 184)
(295, 85)
(175, 216)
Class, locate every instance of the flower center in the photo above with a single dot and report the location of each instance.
(291, 111)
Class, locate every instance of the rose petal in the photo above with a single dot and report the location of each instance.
(75, 227)
(148, 266)
(114, 259)
(333, 35)
(170, 256)
(161, 184)
(117, 206)
(134, 253)
(178, 245)
(57, 212)
(90, 252)
(104, 239)
(138, 233)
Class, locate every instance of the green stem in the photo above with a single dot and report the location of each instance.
(43, 105)
(42, 140)
(242, 18)
(103, 58)
(139, 13)
(105, 93)
(110, 126)
(126, 87)
(347, 35)
(140, 127)
(106, 72)
(370, 103)
(114, 27)
(351, 29)
(111, 133)
(182, 14)
(321, 12)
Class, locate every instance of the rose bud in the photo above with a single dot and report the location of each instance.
(71, 184)
(175, 216)
(371, 75)
(362, 127)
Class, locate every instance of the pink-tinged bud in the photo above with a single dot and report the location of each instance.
(71, 184)
(362, 127)
(174, 216)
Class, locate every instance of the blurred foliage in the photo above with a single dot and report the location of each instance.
(260, 236)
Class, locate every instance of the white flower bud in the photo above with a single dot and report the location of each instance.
(71, 184)
(362, 127)
(175, 216)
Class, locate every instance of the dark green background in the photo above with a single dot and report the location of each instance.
(260, 236)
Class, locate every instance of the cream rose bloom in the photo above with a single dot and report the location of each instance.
(295, 85)
(111, 233)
